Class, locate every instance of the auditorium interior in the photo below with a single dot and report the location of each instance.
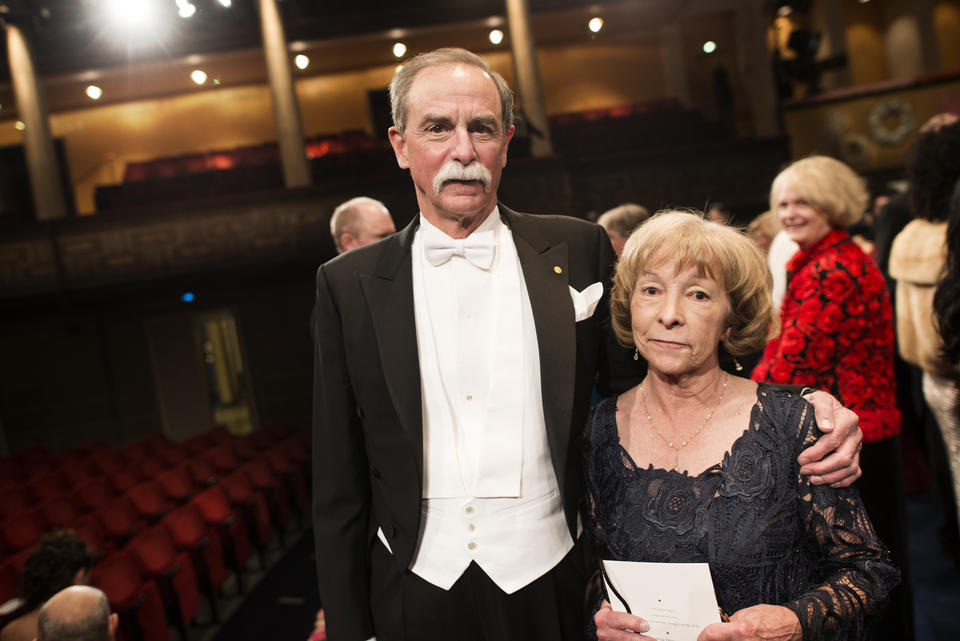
(168, 169)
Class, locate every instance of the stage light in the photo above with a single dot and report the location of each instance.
(399, 49)
(19, 126)
(94, 92)
(496, 36)
(185, 9)
(226, 3)
(595, 24)
(709, 46)
(131, 15)
(301, 61)
(187, 297)
(199, 76)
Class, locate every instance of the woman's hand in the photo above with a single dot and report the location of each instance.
(756, 623)
(835, 457)
(619, 626)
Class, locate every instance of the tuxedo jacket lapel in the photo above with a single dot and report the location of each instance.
(389, 295)
(546, 274)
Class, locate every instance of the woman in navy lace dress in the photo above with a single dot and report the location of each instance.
(694, 465)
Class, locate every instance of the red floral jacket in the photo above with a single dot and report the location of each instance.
(838, 333)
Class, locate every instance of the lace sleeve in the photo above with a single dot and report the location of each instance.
(854, 570)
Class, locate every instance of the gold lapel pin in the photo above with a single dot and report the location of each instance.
(557, 269)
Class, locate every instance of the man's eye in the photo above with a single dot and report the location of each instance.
(435, 129)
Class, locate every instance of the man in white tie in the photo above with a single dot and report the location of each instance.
(454, 367)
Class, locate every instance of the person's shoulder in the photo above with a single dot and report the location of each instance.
(554, 223)
(23, 628)
(781, 405)
(362, 259)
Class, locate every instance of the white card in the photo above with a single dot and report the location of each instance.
(676, 599)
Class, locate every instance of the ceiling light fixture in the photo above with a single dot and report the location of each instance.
(185, 9)
(199, 76)
(226, 3)
(709, 46)
(94, 92)
(496, 36)
(399, 49)
(20, 126)
(595, 24)
(301, 61)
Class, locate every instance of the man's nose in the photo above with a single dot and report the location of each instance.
(463, 149)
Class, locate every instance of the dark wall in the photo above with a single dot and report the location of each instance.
(78, 370)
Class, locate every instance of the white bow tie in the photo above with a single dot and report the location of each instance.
(477, 248)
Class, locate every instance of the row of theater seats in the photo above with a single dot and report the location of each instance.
(165, 521)
(250, 155)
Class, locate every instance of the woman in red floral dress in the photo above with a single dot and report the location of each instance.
(838, 335)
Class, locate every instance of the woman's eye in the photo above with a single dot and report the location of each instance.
(701, 295)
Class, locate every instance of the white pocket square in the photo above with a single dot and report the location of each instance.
(585, 302)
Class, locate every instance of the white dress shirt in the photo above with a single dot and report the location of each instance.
(490, 494)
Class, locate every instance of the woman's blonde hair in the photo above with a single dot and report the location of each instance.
(716, 251)
(828, 184)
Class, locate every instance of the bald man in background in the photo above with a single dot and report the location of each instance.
(77, 613)
(358, 222)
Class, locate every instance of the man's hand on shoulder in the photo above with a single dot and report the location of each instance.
(835, 458)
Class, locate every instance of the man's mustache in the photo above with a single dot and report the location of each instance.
(454, 171)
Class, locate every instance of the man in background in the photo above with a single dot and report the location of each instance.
(620, 222)
(77, 613)
(358, 222)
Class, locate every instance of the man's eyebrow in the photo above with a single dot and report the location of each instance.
(434, 118)
(490, 121)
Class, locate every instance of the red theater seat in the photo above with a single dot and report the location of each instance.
(249, 502)
(137, 602)
(60, 512)
(149, 500)
(92, 496)
(21, 531)
(120, 520)
(173, 571)
(191, 535)
(232, 532)
(177, 484)
(15, 500)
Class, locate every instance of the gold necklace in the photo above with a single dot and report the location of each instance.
(683, 444)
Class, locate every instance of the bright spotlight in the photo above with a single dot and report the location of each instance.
(94, 92)
(199, 76)
(301, 61)
(187, 10)
(496, 36)
(19, 126)
(225, 3)
(399, 49)
(131, 15)
(595, 24)
(709, 46)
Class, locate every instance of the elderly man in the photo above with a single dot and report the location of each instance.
(77, 613)
(454, 367)
(358, 222)
(620, 222)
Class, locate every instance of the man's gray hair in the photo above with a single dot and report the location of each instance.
(92, 626)
(345, 217)
(403, 79)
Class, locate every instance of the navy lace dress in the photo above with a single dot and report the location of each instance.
(767, 533)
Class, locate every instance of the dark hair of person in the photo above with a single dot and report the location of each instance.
(52, 566)
(946, 301)
(933, 168)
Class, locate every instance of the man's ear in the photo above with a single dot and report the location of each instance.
(112, 623)
(506, 143)
(348, 241)
(399, 147)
